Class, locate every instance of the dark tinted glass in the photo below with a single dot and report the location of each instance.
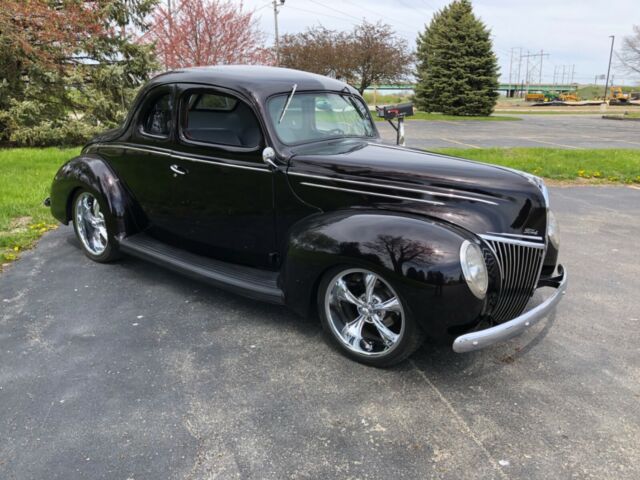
(158, 117)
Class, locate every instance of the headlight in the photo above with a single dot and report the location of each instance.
(553, 231)
(474, 268)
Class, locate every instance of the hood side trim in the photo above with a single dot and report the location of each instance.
(363, 192)
(394, 187)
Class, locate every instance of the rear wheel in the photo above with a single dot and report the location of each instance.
(366, 318)
(90, 222)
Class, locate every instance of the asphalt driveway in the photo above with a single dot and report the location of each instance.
(552, 131)
(126, 371)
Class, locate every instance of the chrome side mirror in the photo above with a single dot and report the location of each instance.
(269, 157)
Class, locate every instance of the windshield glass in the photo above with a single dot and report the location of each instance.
(319, 115)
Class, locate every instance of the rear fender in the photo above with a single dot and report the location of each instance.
(419, 256)
(91, 172)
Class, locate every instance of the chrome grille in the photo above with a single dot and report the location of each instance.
(519, 263)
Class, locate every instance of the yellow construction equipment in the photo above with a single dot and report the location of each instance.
(569, 97)
(618, 96)
(534, 97)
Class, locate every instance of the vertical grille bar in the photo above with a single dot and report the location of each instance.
(520, 265)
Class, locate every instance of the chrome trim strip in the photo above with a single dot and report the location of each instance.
(512, 241)
(382, 185)
(530, 237)
(329, 187)
(181, 157)
(137, 149)
(222, 164)
(505, 331)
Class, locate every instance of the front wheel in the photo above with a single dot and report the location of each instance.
(366, 318)
(90, 222)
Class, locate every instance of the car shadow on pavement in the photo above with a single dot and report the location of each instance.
(438, 359)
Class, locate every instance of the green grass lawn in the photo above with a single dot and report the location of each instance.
(620, 166)
(544, 111)
(452, 118)
(25, 179)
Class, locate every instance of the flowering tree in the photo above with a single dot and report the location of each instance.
(207, 32)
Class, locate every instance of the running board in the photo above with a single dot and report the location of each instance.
(249, 282)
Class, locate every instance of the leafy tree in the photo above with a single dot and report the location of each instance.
(207, 32)
(71, 67)
(630, 55)
(457, 70)
(318, 50)
(370, 54)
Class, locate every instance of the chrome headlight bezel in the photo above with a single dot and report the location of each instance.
(553, 229)
(474, 269)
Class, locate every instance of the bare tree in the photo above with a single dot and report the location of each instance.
(370, 54)
(378, 55)
(630, 55)
(318, 50)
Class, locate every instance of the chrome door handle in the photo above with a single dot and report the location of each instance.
(177, 170)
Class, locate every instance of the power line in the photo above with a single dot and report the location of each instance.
(351, 22)
(380, 14)
(333, 9)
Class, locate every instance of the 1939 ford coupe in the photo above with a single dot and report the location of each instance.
(274, 184)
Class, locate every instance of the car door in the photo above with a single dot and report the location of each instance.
(224, 195)
(143, 162)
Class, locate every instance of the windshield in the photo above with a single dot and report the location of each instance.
(319, 115)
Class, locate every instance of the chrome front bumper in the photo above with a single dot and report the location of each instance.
(512, 328)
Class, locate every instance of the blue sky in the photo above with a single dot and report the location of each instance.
(573, 32)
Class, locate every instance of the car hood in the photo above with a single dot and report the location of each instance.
(478, 197)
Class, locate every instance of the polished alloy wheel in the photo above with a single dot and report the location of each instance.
(364, 312)
(90, 224)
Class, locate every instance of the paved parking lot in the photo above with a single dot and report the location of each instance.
(126, 371)
(553, 131)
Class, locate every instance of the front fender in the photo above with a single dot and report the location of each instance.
(419, 256)
(92, 172)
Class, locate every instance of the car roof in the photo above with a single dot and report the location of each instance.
(254, 80)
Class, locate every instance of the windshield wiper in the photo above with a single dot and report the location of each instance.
(286, 105)
(356, 107)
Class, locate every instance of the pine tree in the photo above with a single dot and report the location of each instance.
(457, 69)
(69, 68)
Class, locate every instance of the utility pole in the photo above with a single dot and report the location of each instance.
(276, 5)
(606, 84)
(510, 69)
(528, 71)
(519, 79)
(541, 57)
(170, 13)
(573, 71)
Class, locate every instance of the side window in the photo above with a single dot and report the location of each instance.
(219, 119)
(157, 118)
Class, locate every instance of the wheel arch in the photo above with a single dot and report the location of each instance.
(92, 172)
(418, 255)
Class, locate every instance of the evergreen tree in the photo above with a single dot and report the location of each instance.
(70, 67)
(457, 70)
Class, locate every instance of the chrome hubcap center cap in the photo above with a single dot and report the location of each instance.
(366, 310)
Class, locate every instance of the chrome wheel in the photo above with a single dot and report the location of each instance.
(364, 312)
(90, 224)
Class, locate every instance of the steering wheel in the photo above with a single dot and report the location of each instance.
(336, 131)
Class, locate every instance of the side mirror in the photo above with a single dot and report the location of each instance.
(269, 157)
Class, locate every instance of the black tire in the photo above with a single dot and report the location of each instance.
(111, 251)
(410, 338)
